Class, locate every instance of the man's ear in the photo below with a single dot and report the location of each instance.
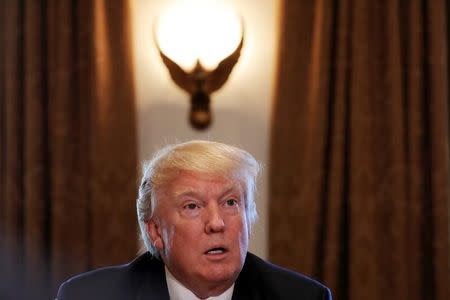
(155, 233)
(249, 229)
(249, 225)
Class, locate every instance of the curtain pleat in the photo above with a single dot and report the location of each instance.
(359, 160)
(68, 142)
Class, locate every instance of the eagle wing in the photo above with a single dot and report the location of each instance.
(183, 79)
(219, 76)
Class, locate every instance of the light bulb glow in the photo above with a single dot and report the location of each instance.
(204, 30)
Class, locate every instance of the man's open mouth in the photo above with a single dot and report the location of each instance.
(218, 250)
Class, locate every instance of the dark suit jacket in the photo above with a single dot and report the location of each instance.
(144, 279)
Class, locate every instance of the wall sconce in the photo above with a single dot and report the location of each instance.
(206, 39)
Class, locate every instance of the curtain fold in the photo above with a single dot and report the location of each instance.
(359, 159)
(68, 142)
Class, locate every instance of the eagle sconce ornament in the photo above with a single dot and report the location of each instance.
(200, 83)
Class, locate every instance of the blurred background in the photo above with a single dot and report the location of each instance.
(345, 102)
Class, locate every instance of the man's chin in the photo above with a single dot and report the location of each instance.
(220, 274)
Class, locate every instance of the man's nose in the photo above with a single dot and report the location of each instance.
(214, 221)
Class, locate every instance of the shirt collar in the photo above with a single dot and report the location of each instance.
(178, 291)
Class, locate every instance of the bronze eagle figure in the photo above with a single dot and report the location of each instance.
(201, 83)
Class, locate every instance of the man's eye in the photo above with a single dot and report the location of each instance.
(231, 202)
(191, 206)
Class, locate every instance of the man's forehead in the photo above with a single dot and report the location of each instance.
(181, 190)
(190, 182)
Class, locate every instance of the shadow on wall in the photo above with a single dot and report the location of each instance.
(164, 122)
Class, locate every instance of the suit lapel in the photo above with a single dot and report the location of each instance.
(246, 286)
(151, 278)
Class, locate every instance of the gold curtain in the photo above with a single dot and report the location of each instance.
(359, 188)
(67, 142)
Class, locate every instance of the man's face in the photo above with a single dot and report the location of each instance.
(201, 231)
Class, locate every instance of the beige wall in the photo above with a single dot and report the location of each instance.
(241, 109)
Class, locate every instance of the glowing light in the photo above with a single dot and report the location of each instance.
(206, 30)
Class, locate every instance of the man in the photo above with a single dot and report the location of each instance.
(195, 210)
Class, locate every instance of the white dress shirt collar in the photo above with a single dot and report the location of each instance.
(177, 291)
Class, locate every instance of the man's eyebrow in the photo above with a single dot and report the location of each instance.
(185, 192)
(192, 192)
(230, 189)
